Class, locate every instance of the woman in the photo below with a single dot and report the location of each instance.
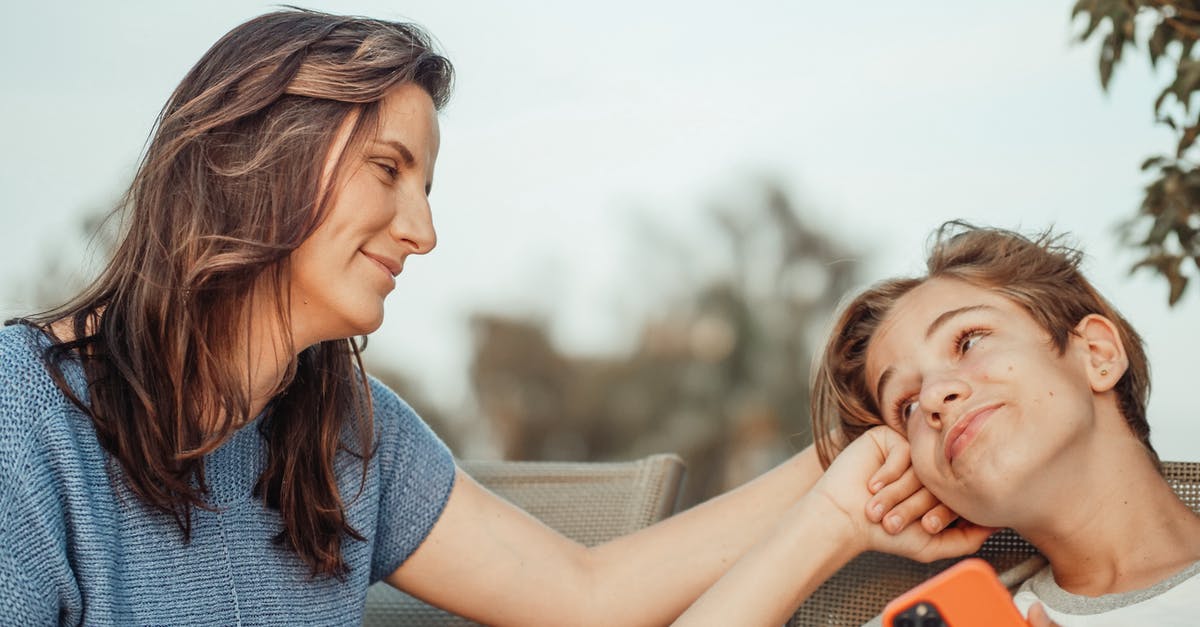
(1022, 393)
(193, 438)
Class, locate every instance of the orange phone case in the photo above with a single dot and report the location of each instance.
(967, 594)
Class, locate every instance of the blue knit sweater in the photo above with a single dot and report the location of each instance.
(77, 547)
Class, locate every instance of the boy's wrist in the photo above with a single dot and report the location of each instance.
(827, 520)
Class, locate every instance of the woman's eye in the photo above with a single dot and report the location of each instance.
(388, 169)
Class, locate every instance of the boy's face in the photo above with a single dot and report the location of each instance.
(982, 394)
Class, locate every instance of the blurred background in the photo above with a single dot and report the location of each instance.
(648, 211)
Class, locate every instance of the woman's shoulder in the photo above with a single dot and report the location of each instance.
(19, 340)
(393, 416)
(36, 418)
(29, 397)
(23, 375)
(398, 427)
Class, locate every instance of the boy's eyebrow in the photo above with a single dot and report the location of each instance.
(887, 374)
(399, 147)
(942, 319)
(949, 315)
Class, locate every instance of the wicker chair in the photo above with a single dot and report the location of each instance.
(588, 502)
(857, 593)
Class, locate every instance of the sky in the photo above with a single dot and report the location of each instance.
(575, 124)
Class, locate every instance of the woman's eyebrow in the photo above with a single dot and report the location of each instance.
(399, 147)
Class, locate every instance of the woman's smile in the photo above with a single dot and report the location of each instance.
(390, 268)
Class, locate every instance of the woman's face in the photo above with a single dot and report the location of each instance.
(981, 392)
(379, 216)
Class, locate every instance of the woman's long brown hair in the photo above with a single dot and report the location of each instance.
(229, 186)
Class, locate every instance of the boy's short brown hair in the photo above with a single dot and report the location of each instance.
(1041, 274)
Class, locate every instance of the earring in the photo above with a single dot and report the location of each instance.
(1104, 372)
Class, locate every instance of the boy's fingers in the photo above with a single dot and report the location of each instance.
(938, 518)
(895, 492)
(909, 510)
(960, 540)
(894, 465)
(1038, 616)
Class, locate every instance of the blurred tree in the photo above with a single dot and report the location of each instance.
(1166, 228)
(720, 377)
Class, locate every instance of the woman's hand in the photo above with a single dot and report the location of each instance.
(900, 498)
(845, 485)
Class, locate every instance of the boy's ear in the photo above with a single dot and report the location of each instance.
(1106, 360)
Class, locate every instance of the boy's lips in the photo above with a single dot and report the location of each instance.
(963, 431)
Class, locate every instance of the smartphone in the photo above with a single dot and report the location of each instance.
(967, 594)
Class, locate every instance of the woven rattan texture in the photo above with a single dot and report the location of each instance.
(858, 592)
(588, 502)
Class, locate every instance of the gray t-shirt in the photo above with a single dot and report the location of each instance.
(1173, 601)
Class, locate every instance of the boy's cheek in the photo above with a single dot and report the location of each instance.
(923, 448)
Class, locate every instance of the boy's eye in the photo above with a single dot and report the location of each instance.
(968, 338)
(905, 408)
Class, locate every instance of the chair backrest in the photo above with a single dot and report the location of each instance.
(857, 593)
(589, 502)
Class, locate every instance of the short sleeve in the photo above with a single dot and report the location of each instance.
(416, 474)
(37, 585)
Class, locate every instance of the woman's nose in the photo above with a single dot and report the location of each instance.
(413, 226)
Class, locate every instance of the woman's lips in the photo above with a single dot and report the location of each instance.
(382, 266)
(963, 432)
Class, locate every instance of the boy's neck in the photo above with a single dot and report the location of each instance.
(1117, 525)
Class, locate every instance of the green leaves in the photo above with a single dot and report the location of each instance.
(1167, 225)
(1159, 40)
(1169, 217)
(1119, 14)
(1187, 80)
(1168, 266)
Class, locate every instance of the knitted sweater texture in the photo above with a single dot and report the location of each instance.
(77, 547)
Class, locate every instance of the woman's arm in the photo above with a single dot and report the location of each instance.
(489, 560)
(816, 537)
(508, 568)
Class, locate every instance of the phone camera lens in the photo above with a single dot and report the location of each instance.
(932, 621)
(904, 621)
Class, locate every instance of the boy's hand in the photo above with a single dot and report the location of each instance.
(900, 499)
(845, 485)
(1038, 616)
